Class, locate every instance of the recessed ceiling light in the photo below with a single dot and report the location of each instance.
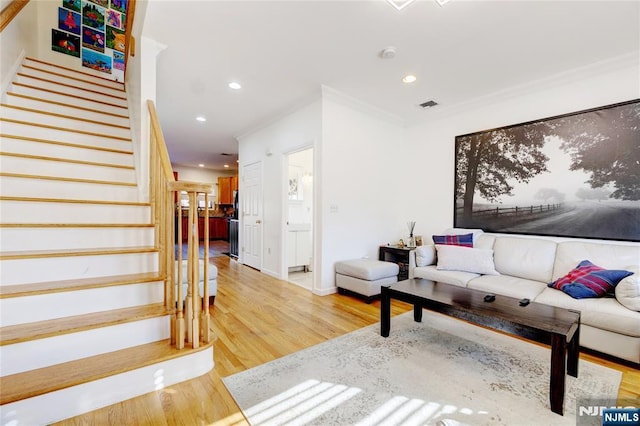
(200, 165)
(226, 165)
(409, 78)
(235, 85)
(201, 118)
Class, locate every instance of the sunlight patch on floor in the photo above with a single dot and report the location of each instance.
(310, 399)
(301, 404)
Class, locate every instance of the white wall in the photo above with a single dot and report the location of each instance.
(270, 144)
(432, 143)
(364, 183)
(17, 40)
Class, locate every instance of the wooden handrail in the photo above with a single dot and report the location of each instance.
(163, 154)
(190, 321)
(11, 11)
(130, 44)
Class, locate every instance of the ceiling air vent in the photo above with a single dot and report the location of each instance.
(428, 104)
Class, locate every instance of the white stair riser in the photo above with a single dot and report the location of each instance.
(97, 86)
(55, 406)
(68, 347)
(65, 110)
(25, 79)
(12, 164)
(33, 91)
(25, 271)
(67, 123)
(32, 212)
(18, 129)
(42, 307)
(31, 147)
(79, 75)
(43, 188)
(21, 239)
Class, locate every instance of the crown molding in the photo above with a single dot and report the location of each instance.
(334, 95)
(609, 65)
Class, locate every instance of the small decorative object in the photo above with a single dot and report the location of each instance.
(412, 241)
(418, 240)
(401, 243)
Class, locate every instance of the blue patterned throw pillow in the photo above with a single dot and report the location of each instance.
(589, 280)
(464, 240)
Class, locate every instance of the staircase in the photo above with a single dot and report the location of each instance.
(84, 323)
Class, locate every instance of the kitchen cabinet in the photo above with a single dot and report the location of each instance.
(218, 228)
(226, 187)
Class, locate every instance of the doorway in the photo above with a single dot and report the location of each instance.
(252, 216)
(299, 218)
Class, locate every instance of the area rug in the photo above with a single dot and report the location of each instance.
(441, 372)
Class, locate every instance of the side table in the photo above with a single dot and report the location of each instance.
(399, 255)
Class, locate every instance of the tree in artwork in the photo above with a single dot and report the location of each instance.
(606, 144)
(488, 161)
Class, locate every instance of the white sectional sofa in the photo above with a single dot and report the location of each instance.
(525, 266)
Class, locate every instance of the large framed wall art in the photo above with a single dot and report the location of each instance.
(573, 175)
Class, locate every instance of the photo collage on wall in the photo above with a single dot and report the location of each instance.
(93, 30)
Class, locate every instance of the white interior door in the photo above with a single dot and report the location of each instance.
(251, 198)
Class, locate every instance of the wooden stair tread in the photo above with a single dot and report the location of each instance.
(57, 83)
(65, 160)
(55, 92)
(75, 201)
(64, 129)
(76, 284)
(30, 67)
(54, 327)
(76, 225)
(68, 179)
(30, 58)
(49, 101)
(34, 254)
(61, 376)
(68, 117)
(69, 144)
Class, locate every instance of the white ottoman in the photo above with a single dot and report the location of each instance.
(365, 276)
(213, 280)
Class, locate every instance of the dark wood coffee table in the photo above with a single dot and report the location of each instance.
(557, 327)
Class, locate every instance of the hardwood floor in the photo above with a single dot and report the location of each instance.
(256, 319)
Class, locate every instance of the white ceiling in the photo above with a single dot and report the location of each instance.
(282, 52)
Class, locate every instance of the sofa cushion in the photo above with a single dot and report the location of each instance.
(449, 277)
(456, 231)
(603, 313)
(628, 290)
(425, 255)
(527, 258)
(589, 280)
(608, 256)
(484, 241)
(508, 286)
(464, 240)
(456, 258)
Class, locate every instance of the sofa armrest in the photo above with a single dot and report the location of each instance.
(421, 256)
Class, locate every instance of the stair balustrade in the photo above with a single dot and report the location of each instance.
(190, 322)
